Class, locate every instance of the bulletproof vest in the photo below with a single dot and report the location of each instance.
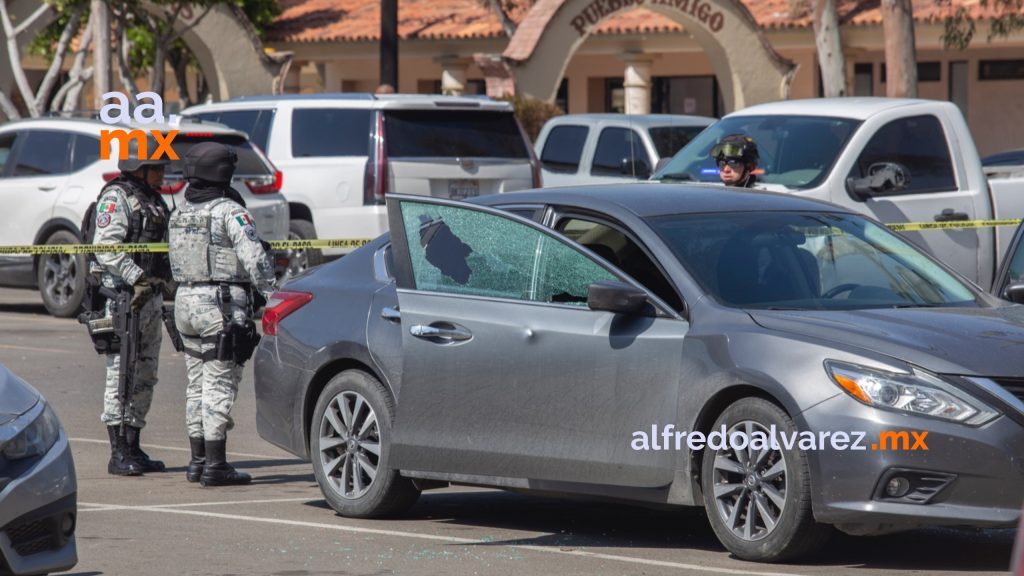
(147, 222)
(200, 251)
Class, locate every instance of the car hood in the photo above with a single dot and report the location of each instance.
(16, 396)
(966, 341)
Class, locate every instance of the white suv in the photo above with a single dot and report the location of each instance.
(50, 171)
(341, 153)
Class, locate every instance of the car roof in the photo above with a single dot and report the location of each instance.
(860, 108)
(636, 119)
(357, 100)
(653, 199)
(93, 125)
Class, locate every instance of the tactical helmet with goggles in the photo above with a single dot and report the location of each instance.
(210, 163)
(736, 146)
(133, 162)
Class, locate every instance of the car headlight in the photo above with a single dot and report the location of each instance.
(918, 392)
(36, 439)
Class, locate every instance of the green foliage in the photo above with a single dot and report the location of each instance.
(43, 44)
(959, 29)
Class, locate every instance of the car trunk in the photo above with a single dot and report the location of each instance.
(455, 153)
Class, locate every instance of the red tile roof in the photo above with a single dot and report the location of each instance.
(359, 20)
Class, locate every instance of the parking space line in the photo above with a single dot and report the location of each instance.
(454, 540)
(181, 449)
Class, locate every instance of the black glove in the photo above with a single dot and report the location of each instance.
(143, 291)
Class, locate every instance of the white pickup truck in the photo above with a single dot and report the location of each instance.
(898, 160)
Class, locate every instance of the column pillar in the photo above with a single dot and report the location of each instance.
(453, 75)
(637, 82)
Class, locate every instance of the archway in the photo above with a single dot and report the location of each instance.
(242, 68)
(748, 69)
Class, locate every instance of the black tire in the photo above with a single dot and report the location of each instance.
(301, 260)
(388, 493)
(61, 277)
(794, 533)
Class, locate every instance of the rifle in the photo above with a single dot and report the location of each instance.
(126, 328)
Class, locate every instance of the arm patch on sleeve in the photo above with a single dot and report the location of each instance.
(250, 233)
(103, 220)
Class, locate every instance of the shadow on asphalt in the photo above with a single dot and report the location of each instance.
(255, 466)
(576, 524)
(24, 308)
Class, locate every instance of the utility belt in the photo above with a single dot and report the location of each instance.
(235, 342)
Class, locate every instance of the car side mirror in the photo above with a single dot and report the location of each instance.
(636, 167)
(1014, 293)
(882, 178)
(615, 296)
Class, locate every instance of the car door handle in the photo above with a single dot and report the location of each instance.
(391, 314)
(949, 215)
(446, 332)
(48, 188)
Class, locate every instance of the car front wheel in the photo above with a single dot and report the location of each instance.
(758, 499)
(61, 277)
(350, 442)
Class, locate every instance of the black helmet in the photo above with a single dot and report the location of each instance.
(210, 163)
(133, 162)
(736, 146)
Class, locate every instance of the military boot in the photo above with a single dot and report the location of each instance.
(121, 462)
(217, 472)
(136, 453)
(195, 466)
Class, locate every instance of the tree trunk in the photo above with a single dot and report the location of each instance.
(46, 87)
(124, 71)
(178, 59)
(159, 72)
(900, 56)
(830, 48)
(8, 108)
(101, 52)
(67, 97)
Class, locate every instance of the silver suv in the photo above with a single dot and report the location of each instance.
(50, 171)
(341, 153)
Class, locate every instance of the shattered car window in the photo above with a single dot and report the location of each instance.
(459, 251)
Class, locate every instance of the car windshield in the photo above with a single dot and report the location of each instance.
(453, 134)
(670, 139)
(795, 151)
(807, 261)
(249, 161)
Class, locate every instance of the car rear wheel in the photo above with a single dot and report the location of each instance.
(758, 500)
(61, 277)
(350, 443)
(300, 260)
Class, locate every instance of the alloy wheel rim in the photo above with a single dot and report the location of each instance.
(349, 445)
(59, 274)
(298, 259)
(750, 486)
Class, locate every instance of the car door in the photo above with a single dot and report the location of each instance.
(1011, 271)
(506, 372)
(932, 193)
(561, 153)
(34, 176)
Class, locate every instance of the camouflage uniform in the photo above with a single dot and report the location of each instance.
(114, 214)
(229, 252)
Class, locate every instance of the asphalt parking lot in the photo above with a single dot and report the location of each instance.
(280, 525)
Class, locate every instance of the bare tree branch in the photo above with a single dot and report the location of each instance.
(75, 89)
(58, 57)
(8, 107)
(43, 9)
(123, 50)
(76, 73)
(15, 58)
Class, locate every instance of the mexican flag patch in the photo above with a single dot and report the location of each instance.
(106, 208)
(243, 220)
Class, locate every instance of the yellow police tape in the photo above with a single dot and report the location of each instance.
(162, 247)
(357, 242)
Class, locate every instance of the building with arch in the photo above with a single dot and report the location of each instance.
(703, 57)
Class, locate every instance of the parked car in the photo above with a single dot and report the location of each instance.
(522, 341)
(38, 490)
(50, 171)
(898, 160)
(609, 148)
(344, 152)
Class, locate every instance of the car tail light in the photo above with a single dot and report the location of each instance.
(280, 305)
(198, 134)
(108, 176)
(172, 187)
(267, 184)
(375, 176)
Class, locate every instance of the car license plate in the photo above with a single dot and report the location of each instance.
(461, 189)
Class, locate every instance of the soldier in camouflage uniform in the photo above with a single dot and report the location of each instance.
(130, 210)
(215, 256)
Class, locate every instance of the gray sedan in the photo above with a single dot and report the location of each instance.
(791, 366)
(38, 490)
